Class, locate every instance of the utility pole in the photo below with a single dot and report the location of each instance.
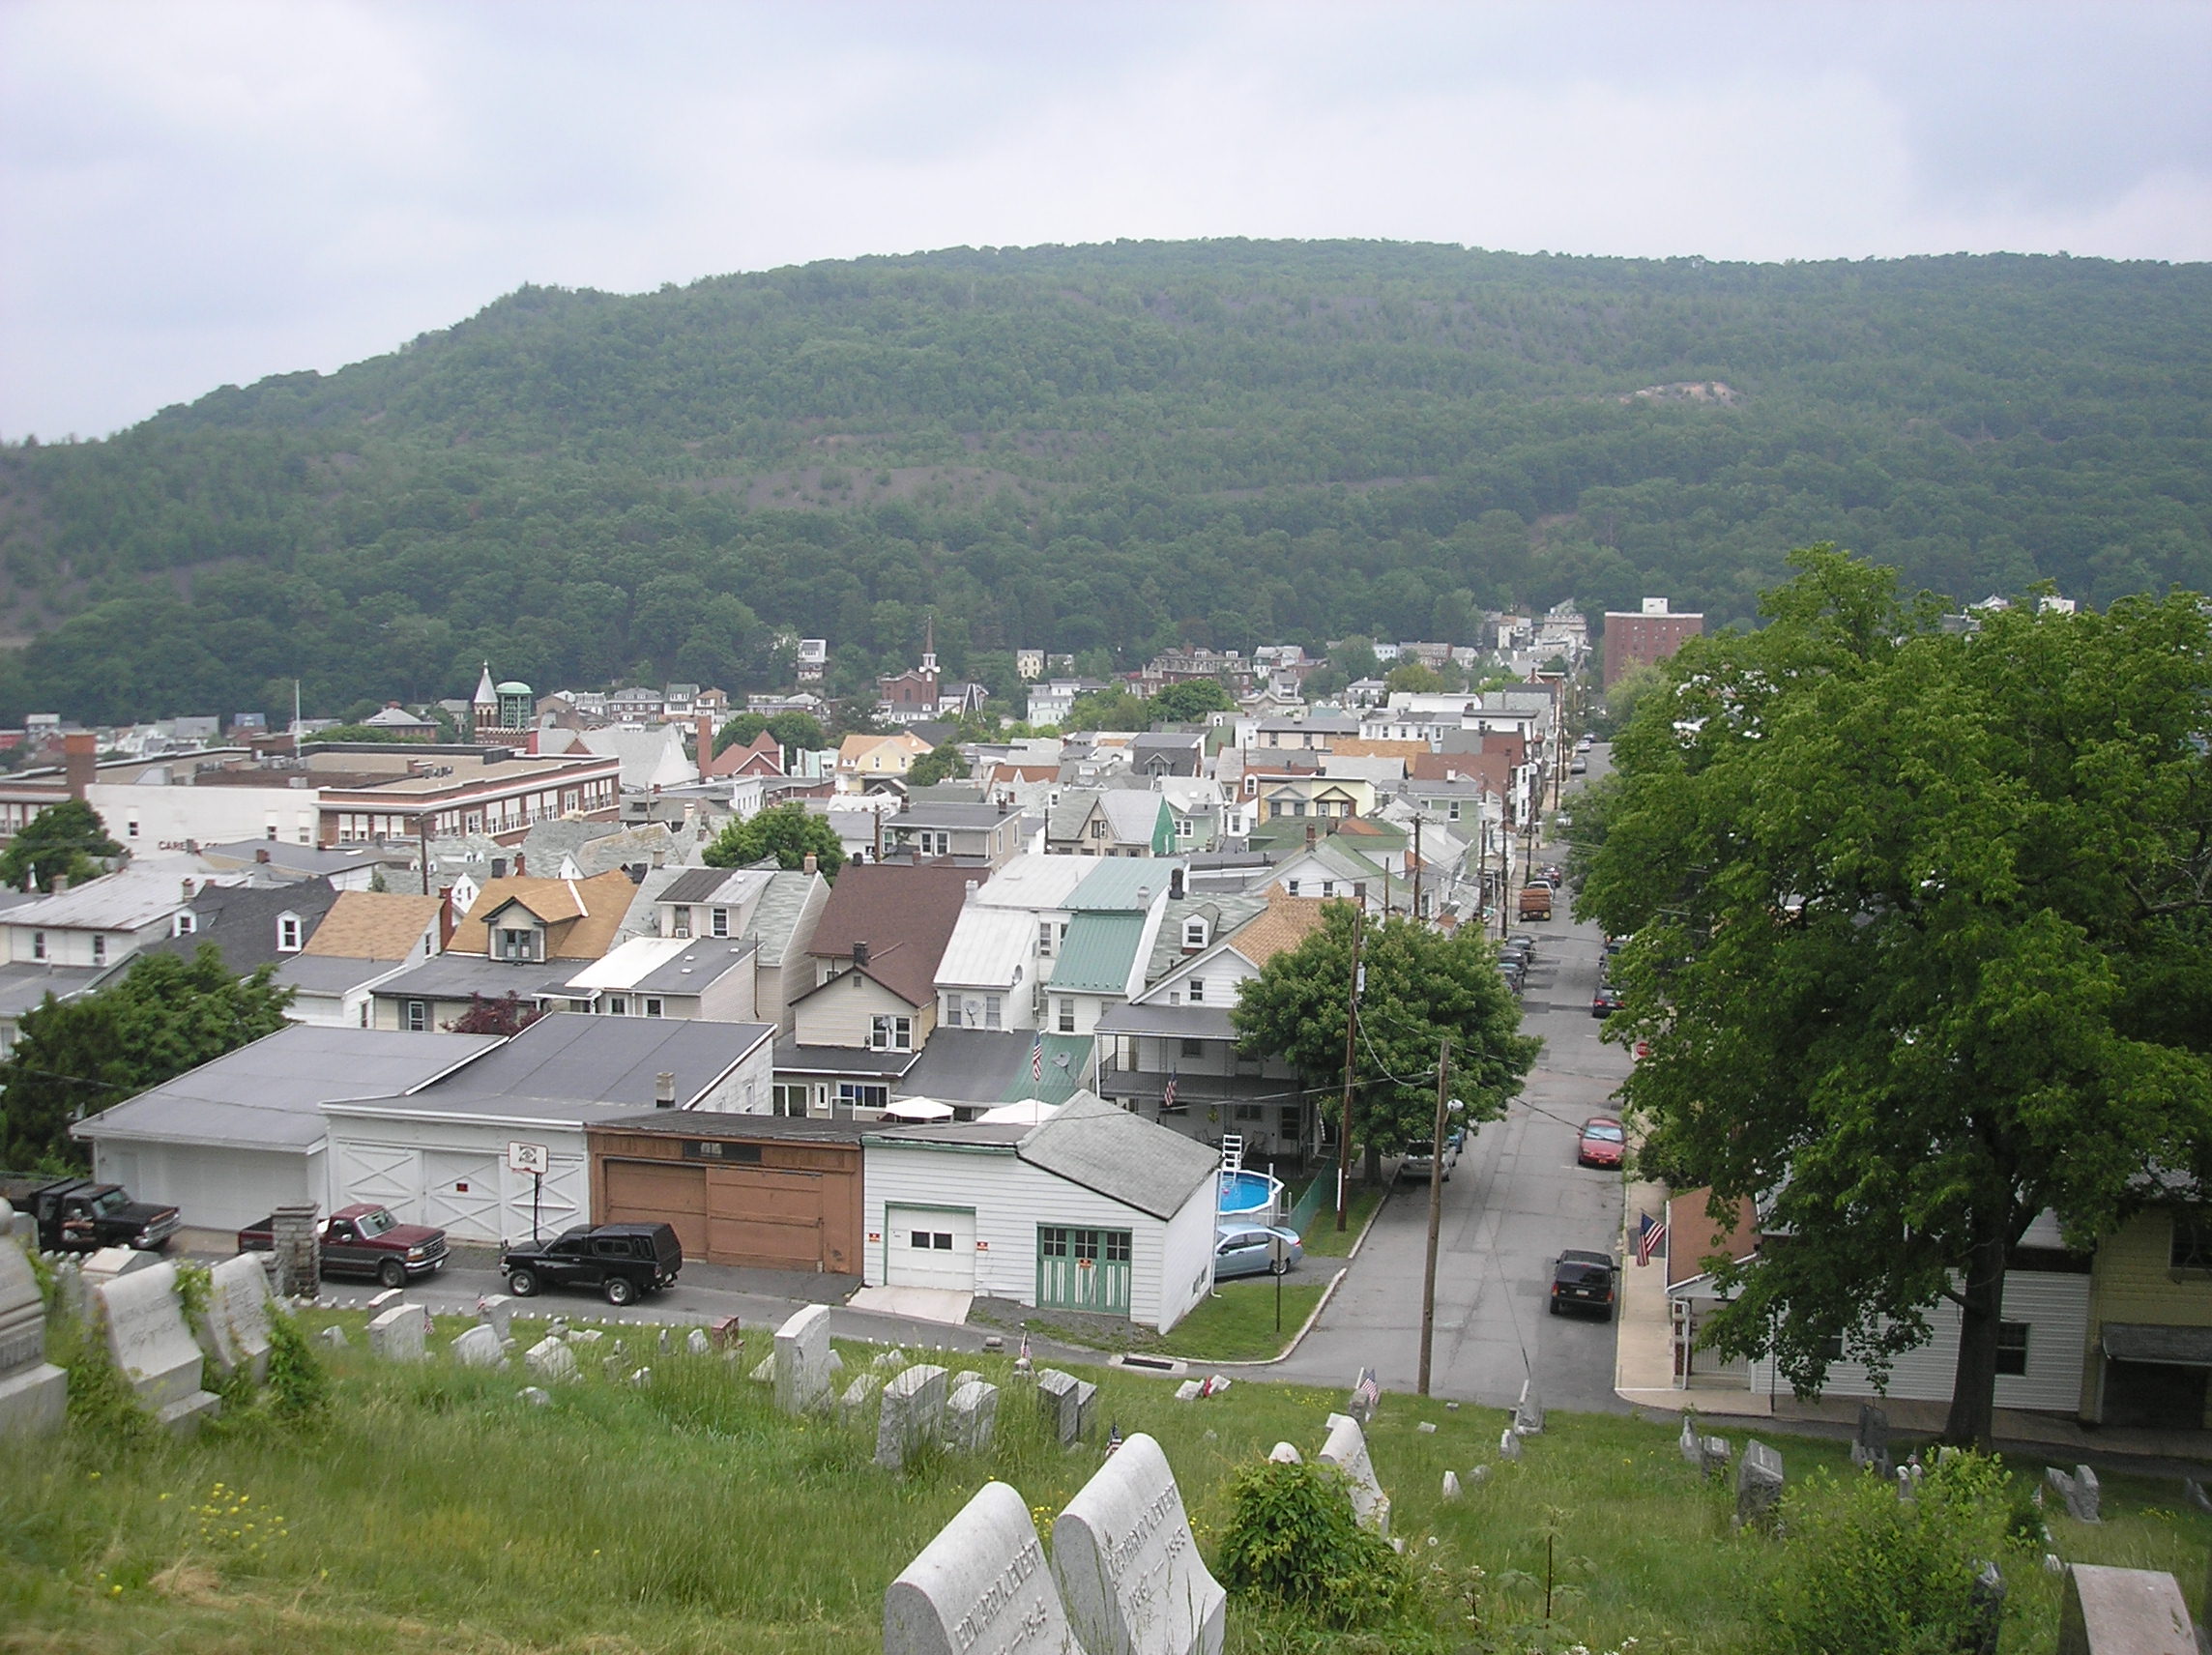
(1436, 1212)
(1416, 868)
(1351, 1028)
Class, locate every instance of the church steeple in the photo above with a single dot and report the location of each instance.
(929, 645)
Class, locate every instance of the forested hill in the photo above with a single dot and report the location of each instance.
(1105, 449)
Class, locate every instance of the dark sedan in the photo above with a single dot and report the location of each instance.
(1583, 1282)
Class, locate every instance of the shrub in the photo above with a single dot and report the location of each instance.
(298, 1387)
(1291, 1539)
(1865, 1573)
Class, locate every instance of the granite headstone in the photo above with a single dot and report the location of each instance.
(154, 1349)
(913, 1414)
(803, 1361)
(1130, 1570)
(34, 1393)
(1347, 1450)
(981, 1588)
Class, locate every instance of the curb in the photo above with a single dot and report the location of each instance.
(1389, 1191)
(1297, 1339)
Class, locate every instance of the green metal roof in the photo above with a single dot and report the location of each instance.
(1116, 882)
(1098, 952)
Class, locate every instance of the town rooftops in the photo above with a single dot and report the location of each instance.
(1088, 1142)
(303, 860)
(581, 917)
(375, 925)
(1035, 881)
(988, 947)
(456, 977)
(940, 813)
(128, 900)
(1099, 953)
(1128, 884)
(666, 965)
(902, 913)
(713, 886)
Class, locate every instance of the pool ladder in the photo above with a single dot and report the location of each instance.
(1232, 1151)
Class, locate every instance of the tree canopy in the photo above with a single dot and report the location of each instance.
(1189, 701)
(1922, 947)
(60, 842)
(785, 832)
(943, 763)
(790, 729)
(73, 1057)
(1420, 987)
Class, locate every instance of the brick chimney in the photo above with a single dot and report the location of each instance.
(519, 869)
(704, 746)
(1313, 835)
(445, 916)
(664, 1089)
(80, 759)
(808, 864)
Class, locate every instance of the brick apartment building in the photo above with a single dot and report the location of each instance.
(1641, 637)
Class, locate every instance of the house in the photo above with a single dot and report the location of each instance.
(983, 835)
(2149, 1338)
(1099, 960)
(759, 1191)
(1168, 753)
(253, 925)
(635, 706)
(669, 977)
(365, 939)
(1051, 703)
(438, 1153)
(975, 1070)
(680, 703)
(1296, 797)
(350, 867)
(864, 759)
(1314, 733)
(229, 1141)
(1110, 822)
(812, 660)
(987, 977)
(1328, 868)
(98, 924)
(401, 725)
(524, 937)
(1092, 1209)
(1171, 1055)
(762, 756)
(774, 910)
(650, 758)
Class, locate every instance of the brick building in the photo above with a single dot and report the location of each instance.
(1642, 637)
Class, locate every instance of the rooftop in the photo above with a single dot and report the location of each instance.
(666, 965)
(1128, 884)
(1099, 953)
(375, 925)
(128, 900)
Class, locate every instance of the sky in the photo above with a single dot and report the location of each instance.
(199, 193)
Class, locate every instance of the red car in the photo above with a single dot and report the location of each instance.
(1602, 1144)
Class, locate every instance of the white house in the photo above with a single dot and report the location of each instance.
(1093, 1209)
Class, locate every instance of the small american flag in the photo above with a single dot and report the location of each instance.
(1022, 1357)
(1037, 1058)
(1167, 1097)
(1112, 1439)
(1650, 1236)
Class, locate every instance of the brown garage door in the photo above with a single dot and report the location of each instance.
(768, 1218)
(661, 1192)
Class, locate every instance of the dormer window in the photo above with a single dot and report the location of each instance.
(185, 925)
(99, 949)
(680, 919)
(288, 934)
(519, 945)
(1194, 933)
(720, 926)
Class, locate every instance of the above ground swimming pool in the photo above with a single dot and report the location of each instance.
(1249, 1195)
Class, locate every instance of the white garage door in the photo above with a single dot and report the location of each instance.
(930, 1248)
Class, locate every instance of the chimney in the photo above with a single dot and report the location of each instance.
(807, 863)
(187, 891)
(61, 884)
(664, 1089)
(261, 853)
(530, 745)
(1313, 835)
(706, 740)
(445, 916)
(520, 868)
(859, 955)
(80, 759)
(1174, 883)
(968, 895)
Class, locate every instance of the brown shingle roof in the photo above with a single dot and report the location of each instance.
(581, 916)
(1494, 770)
(373, 925)
(904, 912)
(1288, 921)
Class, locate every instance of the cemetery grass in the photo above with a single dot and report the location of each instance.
(428, 1509)
(1237, 1323)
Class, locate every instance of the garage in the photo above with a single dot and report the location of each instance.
(757, 1191)
(930, 1248)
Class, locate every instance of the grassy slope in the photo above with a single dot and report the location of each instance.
(433, 1512)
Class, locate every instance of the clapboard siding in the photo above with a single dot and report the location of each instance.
(1170, 1261)
(842, 1012)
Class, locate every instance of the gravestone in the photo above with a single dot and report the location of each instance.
(803, 1361)
(1286, 1454)
(535, 1397)
(667, 1343)
(1529, 1411)
(960, 1378)
(108, 1263)
(1478, 1474)
(2123, 1612)
(1086, 1409)
(34, 1393)
(386, 1299)
(888, 1361)
(981, 1588)
(1366, 1397)
(860, 1396)
(1190, 1390)
(238, 1316)
(297, 1243)
(154, 1349)
(1347, 1450)
(1451, 1485)
(496, 1311)
(71, 1295)
(2080, 1491)
(1508, 1444)
(1060, 1405)
(479, 1346)
(1985, 1608)
(697, 1343)
(1692, 1450)
(1716, 1451)
(400, 1334)
(913, 1414)
(1758, 1485)
(550, 1359)
(1128, 1567)
(726, 1334)
(764, 1371)
(334, 1337)
(1870, 1442)
(970, 1416)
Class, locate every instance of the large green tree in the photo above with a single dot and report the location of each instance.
(60, 842)
(1420, 987)
(1190, 701)
(73, 1057)
(1921, 948)
(788, 833)
(790, 729)
(945, 762)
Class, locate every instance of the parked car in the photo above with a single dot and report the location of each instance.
(624, 1262)
(1583, 1282)
(81, 1215)
(1584, 743)
(1536, 902)
(1243, 1250)
(1419, 1158)
(1602, 1144)
(1577, 766)
(364, 1239)
(1516, 955)
(1605, 1000)
(1513, 974)
(1523, 939)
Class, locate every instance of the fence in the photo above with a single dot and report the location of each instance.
(1320, 1193)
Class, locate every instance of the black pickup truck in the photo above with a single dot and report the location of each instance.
(81, 1215)
(625, 1261)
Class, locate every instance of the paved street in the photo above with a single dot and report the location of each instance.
(1515, 1200)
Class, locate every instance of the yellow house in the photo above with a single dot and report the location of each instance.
(2150, 1323)
(862, 758)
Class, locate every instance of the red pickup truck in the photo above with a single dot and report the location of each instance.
(364, 1240)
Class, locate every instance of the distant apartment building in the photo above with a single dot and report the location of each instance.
(1645, 636)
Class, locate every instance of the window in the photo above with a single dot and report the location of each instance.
(719, 922)
(1451, 811)
(415, 1016)
(861, 1094)
(1250, 1111)
(1066, 1020)
(653, 1007)
(272, 831)
(287, 933)
(2191, 1236)
(680, 917)
(1097, 827)
(618, 1006)
(1291, 886)
(787, 1098)
(992, 1011)
(1044, 937)
(930, 1240)
(1197, 986)
(130, 829)
(519, 945)
(1286, 1122)
(935, 842)
(99, 949)
(2012, 1348)
(951, 1017)
(185, 924)
(1194, 1048)
(887, 1032)
(1194, 933)
(1328, 888)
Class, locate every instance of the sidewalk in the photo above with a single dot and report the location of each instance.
(1643, 1345)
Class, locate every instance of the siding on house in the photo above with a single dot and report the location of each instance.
(842, 1012)
(2135, 1282)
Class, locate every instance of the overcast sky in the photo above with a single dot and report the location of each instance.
(198, 192)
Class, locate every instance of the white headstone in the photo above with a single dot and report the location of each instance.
(1190, 1390)
(385, 1300)
(913, 1414)
(1529, 1411)
(1451, 1485)
(1347, 1450)
(238, 1316)
(147, 1336)
(1508, 1446)
(34, 1393)
(697, 1343)
(1059, 1397)
(550, 1358)
(803, 1361)
(1758, 1485)
(479, 1346)
(1286, 1454)
(1130, 1570)
(109, 1262)
(2123, 1612)
(334, 1336)
(400, 1334)
(970, 1416)
(981, 1588)
(859, 1398)
(496, 1311)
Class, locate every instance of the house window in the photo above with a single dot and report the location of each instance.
(1286, 1122)
(417, 1016)
(1328, 888)
(271, 833)
(1291, 886)
(618, 1006)
(1097, 830)
(1185, 826)
(1194, 933)
(787, 1099)
(519, 945)
(1250, 1111)
(951, 1012)
(1451, 811)
(861, 1095)
(185, 924)
(992, 1011)
(653, 1007)
(935, 842)
(1197, 986)
(1193, 1048)
(2191, 1239)
(682, 922)
(887, 1032)
(2011, 1349)
(130, 829)
(1044, 937)
(719, 923)
(1067, 1023)
(99, 949)
(287, 933)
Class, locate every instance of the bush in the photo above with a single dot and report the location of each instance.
(298, 1387)
(1291, 1539)
(1865, 1573)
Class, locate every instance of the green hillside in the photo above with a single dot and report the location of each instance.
(1105, 449)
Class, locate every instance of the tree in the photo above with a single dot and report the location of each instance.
(73, 1057)
(1630, 687)
(505, 1015)
(1413, 677)
(1190, 701)
(60, 842)
(1422, 986)
(785, 832)
(1355, 657)
(1922, 948)
(790, 729)
(939, 764)
(1112, 709)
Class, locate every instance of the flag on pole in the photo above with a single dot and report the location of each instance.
(1022, 1357)
(1167, 1097)
(1037, 1058)
(1112, 1439)
(1650, 1236)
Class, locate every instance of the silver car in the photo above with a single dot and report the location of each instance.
(1242, 1250)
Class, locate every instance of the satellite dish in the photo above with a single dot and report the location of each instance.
(972, 1009)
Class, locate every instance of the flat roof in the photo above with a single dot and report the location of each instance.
(570, 1057)
(723, 1124)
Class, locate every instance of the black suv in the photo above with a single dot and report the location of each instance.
(623, 1261)
(1583, 1281)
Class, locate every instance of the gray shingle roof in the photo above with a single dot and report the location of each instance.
(1120, 1155)
(572, 1057)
